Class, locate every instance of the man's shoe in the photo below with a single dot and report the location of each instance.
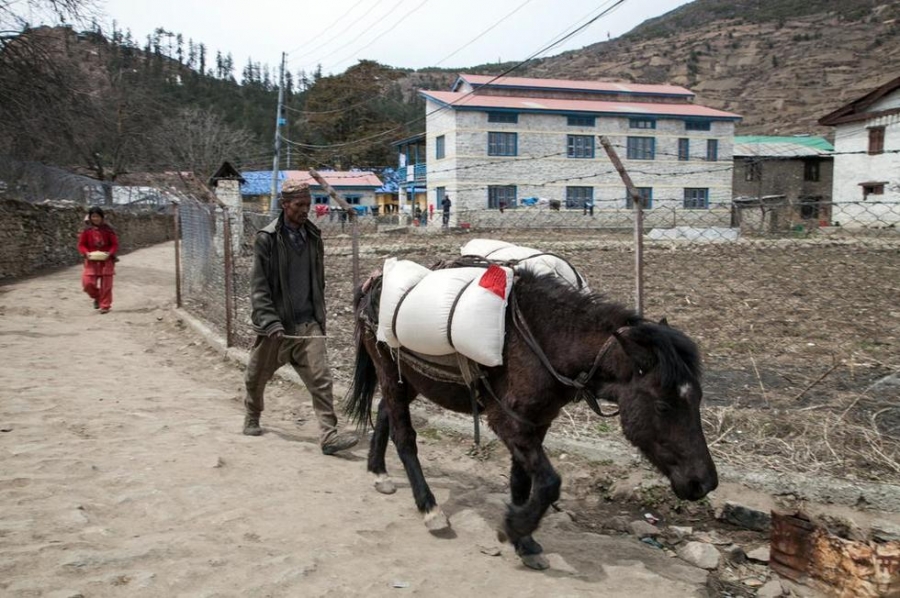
(339, 442)
(251, 425)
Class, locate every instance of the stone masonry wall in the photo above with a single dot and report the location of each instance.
(35, 237)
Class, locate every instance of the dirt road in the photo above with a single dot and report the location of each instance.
(123, 473)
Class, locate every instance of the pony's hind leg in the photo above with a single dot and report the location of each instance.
(404, 437)
(377, 450)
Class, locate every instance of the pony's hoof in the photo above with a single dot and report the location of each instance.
(535, 561)
(436, 521)
(385, 485)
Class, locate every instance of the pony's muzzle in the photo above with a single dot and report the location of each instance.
(695, 487)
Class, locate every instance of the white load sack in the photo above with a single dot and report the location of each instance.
(532, 260)
(455, 310)
(399, 276)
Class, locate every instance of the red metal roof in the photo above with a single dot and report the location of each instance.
(337, 178)
(562, 84)
(470, 101)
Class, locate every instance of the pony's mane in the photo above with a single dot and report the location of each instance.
(677, 355)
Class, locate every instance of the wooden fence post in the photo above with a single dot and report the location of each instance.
(354, 221)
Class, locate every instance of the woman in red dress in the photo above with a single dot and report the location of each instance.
(98, 245)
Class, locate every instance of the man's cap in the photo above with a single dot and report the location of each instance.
(294, 189)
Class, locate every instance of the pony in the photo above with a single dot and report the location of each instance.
(562, 344)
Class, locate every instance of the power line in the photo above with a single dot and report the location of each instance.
(349, 26)
(326, 29)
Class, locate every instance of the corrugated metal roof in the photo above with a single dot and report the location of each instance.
(781, 147)
(526, 104)
(259, 182)
(589, 86)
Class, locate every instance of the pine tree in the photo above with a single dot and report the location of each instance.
(202, 52)
(179, 48)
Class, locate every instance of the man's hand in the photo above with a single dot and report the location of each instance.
(276, 335)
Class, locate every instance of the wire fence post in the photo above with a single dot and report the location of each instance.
(177, 257)
(638, 224)
(229, 278)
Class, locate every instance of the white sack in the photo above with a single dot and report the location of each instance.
(399, 277)
(534, 259)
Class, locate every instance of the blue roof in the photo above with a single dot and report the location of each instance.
(259, 182)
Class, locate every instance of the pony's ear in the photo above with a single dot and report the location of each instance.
(638, 354)
(664, 322)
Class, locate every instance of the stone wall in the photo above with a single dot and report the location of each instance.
(35, 237)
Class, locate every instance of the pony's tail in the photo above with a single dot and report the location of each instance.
(358, 404)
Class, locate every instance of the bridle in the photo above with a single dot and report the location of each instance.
(581, 381)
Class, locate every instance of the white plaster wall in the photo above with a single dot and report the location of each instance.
(542, 169)
(853, 165)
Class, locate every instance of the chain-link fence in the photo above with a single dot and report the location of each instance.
(36, 182)
(797, 317)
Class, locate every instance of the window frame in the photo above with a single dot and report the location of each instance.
(876, 141)
(580, 153)
(321, 200)
(646, 194)
(872, 189)
(573, 196)
(753, 170)
(698, 125)
(705, 198)
(712, 150)
(498, 193)
(495, 147)
(684, 149)
(812, 171)
(497, 116)
(572, 120)
(635, 152)
(440, 147)
(638, 122)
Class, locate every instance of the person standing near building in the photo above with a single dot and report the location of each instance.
(445, 206)
(98, 245)
(287, 297)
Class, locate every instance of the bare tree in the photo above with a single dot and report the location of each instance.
(198, 140)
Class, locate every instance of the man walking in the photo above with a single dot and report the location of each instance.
(287, 297)
(445, 206)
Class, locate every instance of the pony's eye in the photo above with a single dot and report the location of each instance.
(663, 408)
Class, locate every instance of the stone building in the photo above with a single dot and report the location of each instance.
(790, 177)
(867, 158)
(512, 142)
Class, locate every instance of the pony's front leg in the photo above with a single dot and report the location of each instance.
(377, 450)
(520, 490)
(523, 517)
(404, 437)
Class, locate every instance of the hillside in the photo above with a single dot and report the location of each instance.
(782, 64)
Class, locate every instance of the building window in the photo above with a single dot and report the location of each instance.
(503, 117)
(876, 140)
(809, 207)
(696, 199)
(502, 144)
(697, 125)
(811, 170)
(872, 189)
(642, 123)
(321, 199)
(440, 193)
(581, 121)
(579, 197)
(646, 194)
(439, 147)
(752, 170)
(353, 200)
(501, 194)
(684, 149)
(641, 148)
(712, 150)
(580, 146)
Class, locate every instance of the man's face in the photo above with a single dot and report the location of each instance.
(296, 210)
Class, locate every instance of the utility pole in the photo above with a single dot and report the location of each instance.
(279, 120)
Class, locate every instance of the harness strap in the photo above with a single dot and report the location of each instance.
(581, 381)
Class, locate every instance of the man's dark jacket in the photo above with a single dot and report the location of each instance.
(269, 293)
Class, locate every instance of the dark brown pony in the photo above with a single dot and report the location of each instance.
(591, 348)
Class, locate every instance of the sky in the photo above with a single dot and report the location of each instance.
(399, 33)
